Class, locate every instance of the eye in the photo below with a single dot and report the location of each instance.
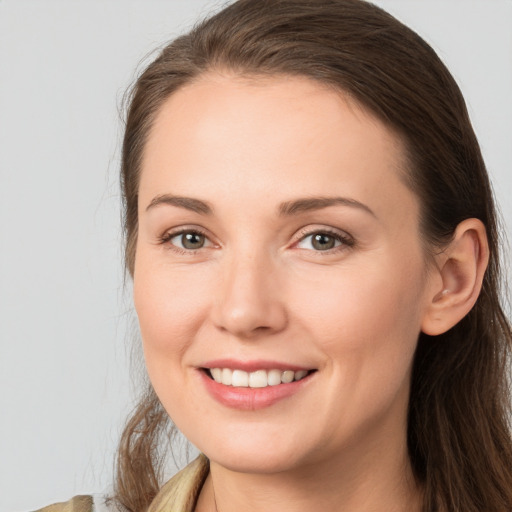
(190, 240)
(324, 241)
(187, 240)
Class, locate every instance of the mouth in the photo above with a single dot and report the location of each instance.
(256, 379)
(253, 385)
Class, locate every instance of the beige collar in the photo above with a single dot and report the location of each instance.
(180, 493)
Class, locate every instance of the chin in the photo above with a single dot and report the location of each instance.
(257, 454)
(254, 462)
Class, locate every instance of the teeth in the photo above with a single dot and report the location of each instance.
(274, 377)
(300, 374)
(287, 376)
(257, 379)
(227, 376)
(240, 379)
(216, 374)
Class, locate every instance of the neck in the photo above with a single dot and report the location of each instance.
(370, 481)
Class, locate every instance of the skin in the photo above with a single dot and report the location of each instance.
(258, 289)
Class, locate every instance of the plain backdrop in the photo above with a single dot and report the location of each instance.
(65, 315)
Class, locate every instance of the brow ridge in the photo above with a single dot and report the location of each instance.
(188, 203)
(316, 203)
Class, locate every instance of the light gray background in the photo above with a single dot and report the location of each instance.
(64, 315)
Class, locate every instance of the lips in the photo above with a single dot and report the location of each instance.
(253, 385)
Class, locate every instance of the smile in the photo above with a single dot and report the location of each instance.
(255, 379)
(253, 385)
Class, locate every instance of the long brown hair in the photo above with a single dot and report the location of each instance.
(458, 426)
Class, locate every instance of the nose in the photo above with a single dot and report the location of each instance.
(250, 302)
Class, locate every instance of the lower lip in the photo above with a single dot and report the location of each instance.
(251, 399)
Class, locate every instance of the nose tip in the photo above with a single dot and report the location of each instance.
(250, 322)
(250, 303)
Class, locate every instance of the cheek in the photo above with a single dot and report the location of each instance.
(366, 324)
(363, 299)
(171, 304)
(366, 320)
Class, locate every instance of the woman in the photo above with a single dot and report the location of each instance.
(312, 238)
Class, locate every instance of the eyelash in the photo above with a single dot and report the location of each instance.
(345, 240)
(166, 238)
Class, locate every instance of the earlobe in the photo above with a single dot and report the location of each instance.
(461, 268)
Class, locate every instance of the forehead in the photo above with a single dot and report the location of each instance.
(223, 137)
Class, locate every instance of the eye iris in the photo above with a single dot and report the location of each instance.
(192, 240)
(323, 242)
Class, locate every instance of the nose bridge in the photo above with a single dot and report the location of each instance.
(249, 301)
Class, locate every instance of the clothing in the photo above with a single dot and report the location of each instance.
(179, 494)
(76, 504)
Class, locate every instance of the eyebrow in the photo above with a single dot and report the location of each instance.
(194, 205)
(316, 203)
(287, 208)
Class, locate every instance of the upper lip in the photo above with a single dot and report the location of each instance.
(253, 365)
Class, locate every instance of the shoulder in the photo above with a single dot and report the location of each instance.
(182, 490)
(76, 504)
(84, 503)
(179, 493)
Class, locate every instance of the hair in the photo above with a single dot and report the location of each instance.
(458, 433)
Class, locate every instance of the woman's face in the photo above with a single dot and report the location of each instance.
(277, 241)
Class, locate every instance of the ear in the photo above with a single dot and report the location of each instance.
(459, 272)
